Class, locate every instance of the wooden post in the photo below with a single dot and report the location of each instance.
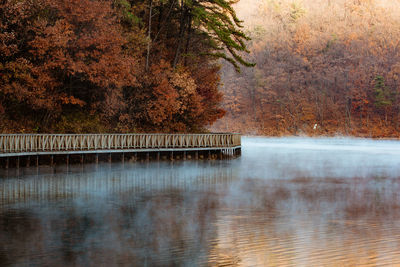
(7, 162)
(220, 155)
(17, 163)
(67, 162)
(96, 159)
(109, 158)
(51, 160)
(147, 156)
(28, 161)
(172, 156)
(184, 155)
(209, 155)
(196, 155)
(82, 159)
(123, 157)
(158, 156)
(37, 161)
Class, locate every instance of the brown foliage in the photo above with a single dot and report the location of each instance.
(78, 66)
(171, 100)
(71, 56)
(317, 65)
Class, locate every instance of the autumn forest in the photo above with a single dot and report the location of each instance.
(115, 65)
(267, 67)
(324, 67)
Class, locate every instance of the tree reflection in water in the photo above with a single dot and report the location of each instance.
(204, 213)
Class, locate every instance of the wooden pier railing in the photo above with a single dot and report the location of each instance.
(31, 143)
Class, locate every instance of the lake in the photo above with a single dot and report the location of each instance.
(285, 202)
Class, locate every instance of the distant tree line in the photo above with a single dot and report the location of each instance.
(323, 67)
(115, 65)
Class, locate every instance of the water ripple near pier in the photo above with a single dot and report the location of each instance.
(275, 206)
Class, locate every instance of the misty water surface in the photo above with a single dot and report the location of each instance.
(285, 202)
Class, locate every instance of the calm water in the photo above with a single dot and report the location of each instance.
(285, 202)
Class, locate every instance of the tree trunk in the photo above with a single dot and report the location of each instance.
(348, 115)
(188, 39)
(398, 119)
(149, 36)
(184, 13)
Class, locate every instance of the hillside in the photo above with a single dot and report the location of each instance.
(323, 68)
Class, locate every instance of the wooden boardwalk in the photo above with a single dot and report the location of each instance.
(27, 145)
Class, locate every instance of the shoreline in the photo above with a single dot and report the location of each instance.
(322, 136)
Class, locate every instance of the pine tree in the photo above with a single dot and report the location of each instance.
(383, 96)
(216, 21)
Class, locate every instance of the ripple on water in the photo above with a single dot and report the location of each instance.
(286, 202)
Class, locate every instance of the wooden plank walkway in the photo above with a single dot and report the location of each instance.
(19, 145)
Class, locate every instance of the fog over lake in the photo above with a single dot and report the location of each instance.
(284, 202)
(281, 158)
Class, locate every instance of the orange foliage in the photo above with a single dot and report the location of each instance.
(317, 63)
(79, 65)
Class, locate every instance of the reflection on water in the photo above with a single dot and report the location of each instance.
(285, 202)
